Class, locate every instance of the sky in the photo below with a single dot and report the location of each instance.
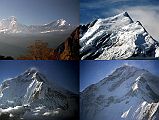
(145, 11)
(35, 12)
(63, 73)
(92, 72)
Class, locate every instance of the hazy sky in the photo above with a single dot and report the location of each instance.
(64, 73)
(145, 11)
(93, 71)
(40, 11)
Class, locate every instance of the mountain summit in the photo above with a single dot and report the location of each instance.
(32, 94)
(128, 93)
(117, 37)
(11, 25)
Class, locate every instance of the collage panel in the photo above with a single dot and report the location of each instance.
(119, 90)
(39, 90)
(39, 30)
(119, 29)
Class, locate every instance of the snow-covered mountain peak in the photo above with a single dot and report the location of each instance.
(31, 70)
(125, 14)
(117, 37)
(61, 22)
(31, 90)
(33, 74)
(122, 15)
(128, 90)
(119, 20)
(13, 18)
(127, 66)
(126, 69)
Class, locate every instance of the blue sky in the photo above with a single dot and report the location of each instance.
(93, 71)
(145, 11)
(40, 11)
(64, 73)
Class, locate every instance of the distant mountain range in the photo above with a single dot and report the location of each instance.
(129, 93)
(117, 37)
(36, 98)
(11, 25)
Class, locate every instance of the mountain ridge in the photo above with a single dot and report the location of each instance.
(11, 25)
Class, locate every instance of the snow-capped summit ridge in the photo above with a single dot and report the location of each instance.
(61, 22)
(32, 70)
(127, 69)
(123, 14)
(33, 74)
(13, 18)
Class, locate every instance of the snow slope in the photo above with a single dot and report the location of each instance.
(11, 25)
(33, 93)
(129, 93)
(117, 37)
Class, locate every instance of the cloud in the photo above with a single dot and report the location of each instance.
(98, 3)
(147, 15)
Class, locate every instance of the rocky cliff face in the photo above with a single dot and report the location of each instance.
(69, 50)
